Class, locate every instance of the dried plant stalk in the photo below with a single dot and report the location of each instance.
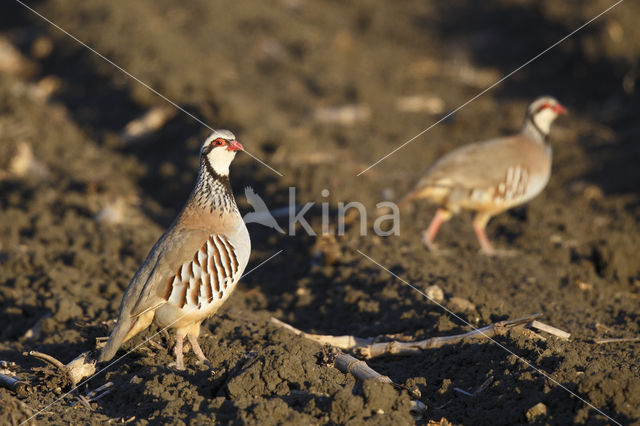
(341, 342)
(21, 388)
(409, 348)
(549, 329)
(359, 369)
(80, 367)
(617, 340)
(366, 348)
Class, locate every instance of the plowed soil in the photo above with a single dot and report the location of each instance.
(320, 91)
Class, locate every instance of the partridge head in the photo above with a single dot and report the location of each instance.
(491, 176)
(194, 266)
(541, 113)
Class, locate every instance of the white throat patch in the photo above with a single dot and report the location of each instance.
(220, 159)
(543, 120)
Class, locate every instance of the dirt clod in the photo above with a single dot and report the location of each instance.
(536, 413)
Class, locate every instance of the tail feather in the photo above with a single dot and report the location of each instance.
(434, 193)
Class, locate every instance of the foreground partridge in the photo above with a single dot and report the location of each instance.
(194, 266)
(492, 176)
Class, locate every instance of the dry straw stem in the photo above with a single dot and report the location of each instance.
(549, 329)
(342, 342)
(343, 362)
(359, 369)
(349, 365)
(368, 348)
(94, 395)
(617, 340)
(79, 368)
(20, 388)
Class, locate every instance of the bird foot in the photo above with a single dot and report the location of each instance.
(433, 247)
(177, 365)
(206, 363)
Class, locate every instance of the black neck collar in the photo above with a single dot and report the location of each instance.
(217, 177)
(544, 135)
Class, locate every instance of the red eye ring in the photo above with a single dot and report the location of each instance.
(219, 142)
(543, 106)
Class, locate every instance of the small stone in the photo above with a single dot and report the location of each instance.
(434, 293)
(461, 305)
(536, 413)
(421, 104)
(388, 194)
(42, 47)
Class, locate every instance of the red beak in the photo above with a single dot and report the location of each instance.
(559, 109)
(235, 146)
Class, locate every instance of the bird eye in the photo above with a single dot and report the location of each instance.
(219, 142)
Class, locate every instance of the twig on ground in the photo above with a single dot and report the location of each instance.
(79, 368)
(343, 362)
(549, 329)
(48, 359)
(418, 410)
(108, 391)
(367, 348)
(617, 340)
(342, 342)
(408, 348)
(359, 369)
(122, 420)
(22, 389)
(83, 400)
(462, 391)
(93, 395)
(484, 385)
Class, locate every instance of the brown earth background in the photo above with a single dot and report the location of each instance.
(320, 90)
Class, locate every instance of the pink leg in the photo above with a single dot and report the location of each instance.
(178, 352)
(429, 235)
(198, 350)
(479, 225)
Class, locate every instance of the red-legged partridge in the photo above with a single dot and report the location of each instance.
(194, 266)
(492, 176)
